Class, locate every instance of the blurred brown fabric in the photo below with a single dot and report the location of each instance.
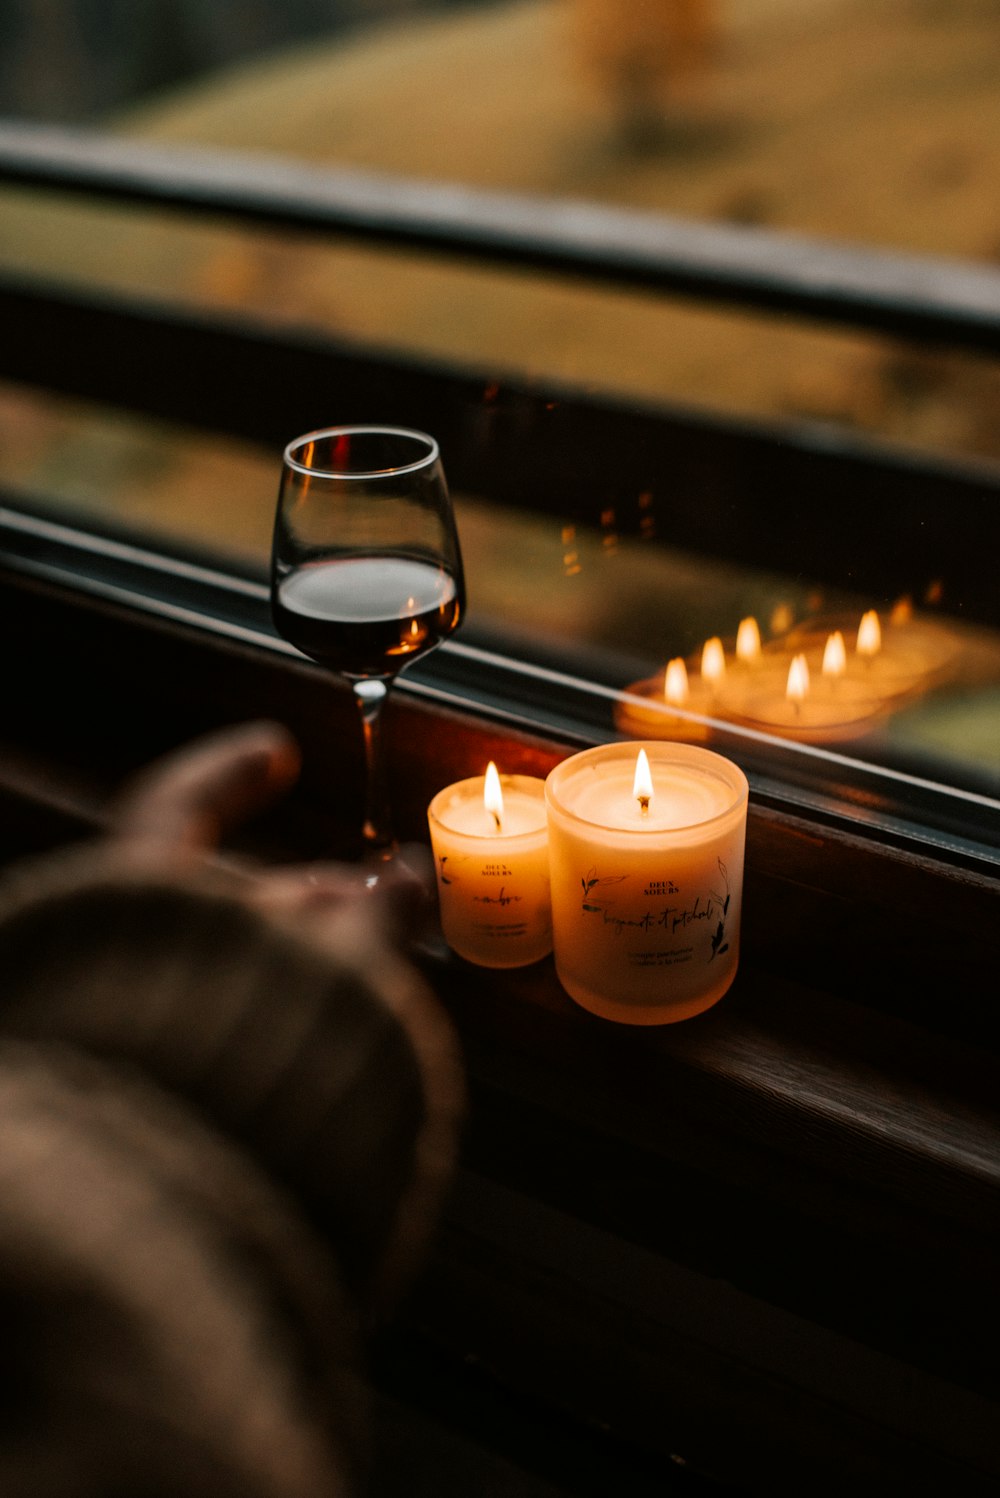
(228, 1109)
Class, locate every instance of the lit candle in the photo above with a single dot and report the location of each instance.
(490, 840)
(748, 642)
(674, 705)
(890, 658)
(835, 655)
(668, 706)
(713, 663)
(869, 641)
(818, 703)
(646, 858)
(676, 688)
(797, 685)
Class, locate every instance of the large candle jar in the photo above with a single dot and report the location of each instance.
(646, 861)
(489, 835)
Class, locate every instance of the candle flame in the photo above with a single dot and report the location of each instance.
(713, 661)
(902, 611)
(797, 689)
(782, 619)
(748, 641)
(869, 634)
(834, 655)
(642, 786)
(493, 795)
(675, 683)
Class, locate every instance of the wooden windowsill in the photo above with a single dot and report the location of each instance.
(767, 1229)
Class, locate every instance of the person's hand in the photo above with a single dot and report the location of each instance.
(180, 810)
(280, 1001)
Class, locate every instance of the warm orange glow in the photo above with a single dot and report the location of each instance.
(902, 611)
(713, 661)
(642, 786)
(834, 655)
(413, 635)
(797, 689)
(782, 619)
(571, 555)
(493, 795)
(748, 641)
(869, 634)
(675, 683)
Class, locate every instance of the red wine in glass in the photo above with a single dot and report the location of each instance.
(347, 613)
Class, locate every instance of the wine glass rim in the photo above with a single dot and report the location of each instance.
(425, 460)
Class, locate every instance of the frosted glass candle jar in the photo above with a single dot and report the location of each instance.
(493, 877)
(646, 902)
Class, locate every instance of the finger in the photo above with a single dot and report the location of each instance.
(188, 801)
(305, 888)
(397, 894)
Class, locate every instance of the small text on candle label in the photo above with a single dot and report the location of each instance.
(500, 898)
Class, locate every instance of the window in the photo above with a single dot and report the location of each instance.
(636, 473)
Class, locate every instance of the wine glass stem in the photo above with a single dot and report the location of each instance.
(370, 694)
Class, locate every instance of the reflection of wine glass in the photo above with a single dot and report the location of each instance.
(366, 572)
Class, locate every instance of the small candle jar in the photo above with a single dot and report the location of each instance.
(492, 870)
(647, 886)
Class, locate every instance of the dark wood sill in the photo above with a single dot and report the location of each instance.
(766, 1240)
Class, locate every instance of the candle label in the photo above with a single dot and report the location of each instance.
(495, 914)
(605, 898)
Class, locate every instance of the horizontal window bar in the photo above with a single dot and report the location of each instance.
(562, 453)
(910, 296)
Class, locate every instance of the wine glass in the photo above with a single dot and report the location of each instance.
(366, 571)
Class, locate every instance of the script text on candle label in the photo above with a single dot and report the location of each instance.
(500, 898)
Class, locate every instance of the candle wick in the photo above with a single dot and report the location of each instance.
(644, 804)
(496, 817)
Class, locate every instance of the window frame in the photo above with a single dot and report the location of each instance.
(137, 355)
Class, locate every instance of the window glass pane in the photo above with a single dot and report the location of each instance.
(763, 114)
(873, 124)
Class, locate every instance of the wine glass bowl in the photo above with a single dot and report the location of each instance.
(366, 569)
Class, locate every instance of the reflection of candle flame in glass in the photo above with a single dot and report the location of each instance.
(902, 611)
(414, 633)
(713, 661)
(869, 634)
(493, 795)
(798, 680)
(642, 786)
(571, 556)
(781, 619)
(834, 655)
(675, 684)
(748, 641)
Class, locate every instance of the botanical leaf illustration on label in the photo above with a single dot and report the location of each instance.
(590, 881)
(719, 943)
